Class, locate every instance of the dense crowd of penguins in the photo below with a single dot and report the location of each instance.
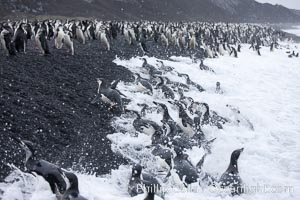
(200, 39)
(171, 138)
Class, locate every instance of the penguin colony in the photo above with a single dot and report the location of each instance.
(169, 139)
(198, 40)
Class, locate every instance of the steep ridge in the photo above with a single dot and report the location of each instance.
(174, 10)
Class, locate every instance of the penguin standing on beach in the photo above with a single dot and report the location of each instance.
(6, 41)
(68, 42)
(20, 38)
(104, 40)
(41, 40)
(59, 37)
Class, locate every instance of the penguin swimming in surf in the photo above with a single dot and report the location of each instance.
(218, 88)
(165, 68)
(142, 85)
(109, 96)
(185, 122)
(239, 118)
(142, 125)
(207, 117)
(190, 82)
(72, 193)
(185, 170)
(168, 92)
(50, 172)
(151, 69)
(140, 181)
(231, 178)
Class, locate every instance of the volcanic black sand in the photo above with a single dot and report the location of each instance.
(47, 99)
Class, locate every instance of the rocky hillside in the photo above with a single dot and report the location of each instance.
(204, 10)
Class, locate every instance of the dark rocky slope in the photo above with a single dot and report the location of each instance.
(47, 99)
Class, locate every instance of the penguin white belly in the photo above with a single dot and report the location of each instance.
(132, 34)
(86, 35)
(104, 40)
(209, 53)
(2, 42)
(69, 43)
(59, 40)
(128, 39)
(187, 130)
(148, 131)
(221, 50)
(140, 88)
(80, 35)
(176, 179)
(192, 43)
(107, 100)
(162, 163)
(165, 40)
(38, 42)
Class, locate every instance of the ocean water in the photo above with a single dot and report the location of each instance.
(295, 30)
(266, 89)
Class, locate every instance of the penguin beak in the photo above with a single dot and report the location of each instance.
(241, 150)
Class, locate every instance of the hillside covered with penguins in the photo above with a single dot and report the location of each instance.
(69, 87)
(167, 10)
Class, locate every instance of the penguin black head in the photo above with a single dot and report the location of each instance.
(21, 25)
(218, 84)
(178, 150)
(163, 106)
(144, 59)
(183, 75)
(162, 63)
(190, 99)
(136, 76)
(176, 103)
(236, 154)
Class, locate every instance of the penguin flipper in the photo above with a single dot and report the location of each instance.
(200, 163)
(114, 84)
